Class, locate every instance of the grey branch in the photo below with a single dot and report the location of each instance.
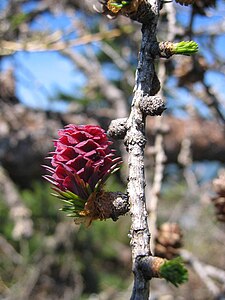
(135, 143)
(205, 272)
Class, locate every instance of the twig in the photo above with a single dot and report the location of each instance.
(8, 250)
(53, 43)
(204, 272)
(209, 98)
(119, 61)
(215, 273)
(111, 93)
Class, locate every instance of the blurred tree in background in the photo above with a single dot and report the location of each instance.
(43, 255)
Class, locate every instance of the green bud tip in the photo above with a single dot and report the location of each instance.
(185, 48)
(120, 5)
(174, 271)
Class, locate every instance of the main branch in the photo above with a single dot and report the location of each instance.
(146, 86)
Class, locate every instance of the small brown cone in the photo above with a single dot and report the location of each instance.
(168, 241)
(189, 70)
(219, 199)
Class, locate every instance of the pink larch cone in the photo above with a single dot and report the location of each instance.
(81, 163)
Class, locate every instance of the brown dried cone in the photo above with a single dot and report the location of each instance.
(190, 70)
(219, 199)
(168, 240)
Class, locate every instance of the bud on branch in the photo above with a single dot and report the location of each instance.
(167, 49)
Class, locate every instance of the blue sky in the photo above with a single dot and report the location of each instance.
(40, 75)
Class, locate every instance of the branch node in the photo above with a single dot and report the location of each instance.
(117, 129)
(167, 49)
(152, 105)
(121, 205)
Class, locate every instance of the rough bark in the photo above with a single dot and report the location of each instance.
(135, 143)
